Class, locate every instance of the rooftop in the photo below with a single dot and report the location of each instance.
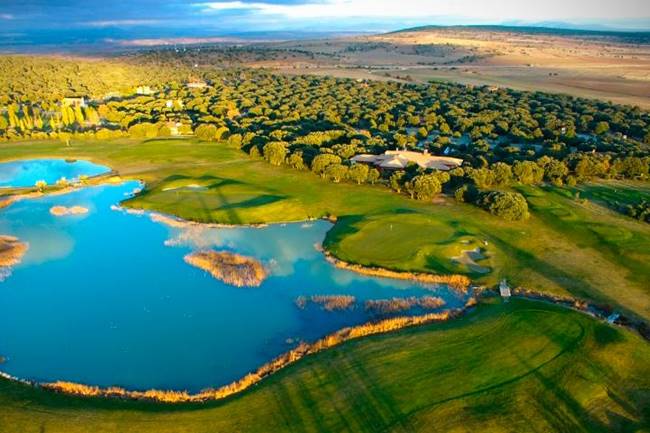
(399, 159)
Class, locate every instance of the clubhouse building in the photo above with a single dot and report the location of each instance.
(400, 159)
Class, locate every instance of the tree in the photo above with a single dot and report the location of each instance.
(40, 185)
(321, 161)
(275, 152)
(527, 172)
(554, 171)
(502, 173)
(373, 175)
(358, 173)
(601, 128)
(296, 161)
(424, 187)
(206, 132)
(396, 181)
(511, 206)
(164, 131)
(482, 177)
(466, 193)
(336, 172)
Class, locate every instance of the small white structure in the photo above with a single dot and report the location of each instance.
(400, 159)
(504, 289)
(144, 90)
(74, 101)
(197, 84)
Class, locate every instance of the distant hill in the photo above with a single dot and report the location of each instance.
(623, 36)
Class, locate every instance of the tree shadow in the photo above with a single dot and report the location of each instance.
(253, 202)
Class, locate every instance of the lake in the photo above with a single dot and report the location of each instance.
(105, 298)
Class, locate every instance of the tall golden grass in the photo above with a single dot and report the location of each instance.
(302, 350)
(230, 268)
(11, 250)
(394, 305)
(328, 302)
(456, 282)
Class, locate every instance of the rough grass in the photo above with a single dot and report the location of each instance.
(519, 366)
(566, 248)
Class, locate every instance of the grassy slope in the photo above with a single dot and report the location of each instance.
(518, 366)
(566, 248)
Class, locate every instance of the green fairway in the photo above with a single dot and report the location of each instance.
(566, 248)
(518, 366)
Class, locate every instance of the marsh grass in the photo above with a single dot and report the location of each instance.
(233, 269)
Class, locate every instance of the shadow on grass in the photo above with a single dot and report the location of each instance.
(261, 200)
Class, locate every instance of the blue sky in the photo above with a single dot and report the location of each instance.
(79, 20)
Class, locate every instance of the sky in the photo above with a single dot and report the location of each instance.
(42, 21)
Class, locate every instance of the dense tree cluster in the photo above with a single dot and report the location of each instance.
(504, 136)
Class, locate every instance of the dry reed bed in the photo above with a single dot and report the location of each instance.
(63, 211)
(394, 305)
(304, 349)
(456, 282)
(234, 269)
(11, 251)
(327, 302)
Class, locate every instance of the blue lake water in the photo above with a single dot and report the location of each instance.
(27, 173)
(106, 298)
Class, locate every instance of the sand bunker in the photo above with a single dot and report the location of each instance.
(73, 210)
(469, 257)
(192, 186)
(228, 267)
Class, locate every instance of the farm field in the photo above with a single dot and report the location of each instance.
(521, 365)
(605, 67)
(568, 247)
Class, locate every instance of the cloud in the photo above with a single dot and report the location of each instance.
(390, 9)
(6, 17)
(120, 23)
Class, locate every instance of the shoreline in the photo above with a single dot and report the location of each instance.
(454, 281)
(343, 335)
(380, 327)
(334, 339)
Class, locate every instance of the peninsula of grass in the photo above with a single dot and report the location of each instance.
(516, 366)
(567, 247)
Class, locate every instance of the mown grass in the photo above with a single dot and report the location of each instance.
(516, 366)
(566, 248)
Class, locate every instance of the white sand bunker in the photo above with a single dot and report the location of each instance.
(63, 211)
(191, 186)
(469, 258)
